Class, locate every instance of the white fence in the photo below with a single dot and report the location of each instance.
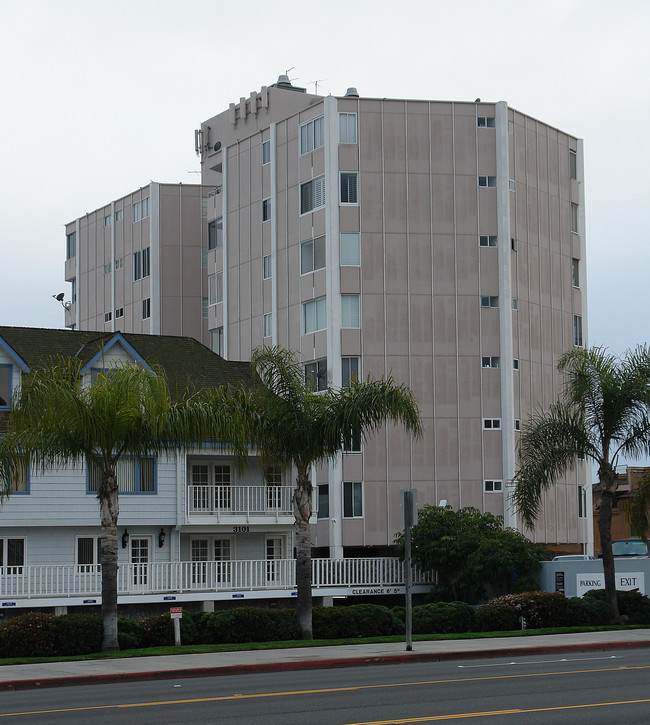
(34, 581)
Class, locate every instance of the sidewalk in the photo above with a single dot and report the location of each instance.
(61, 674)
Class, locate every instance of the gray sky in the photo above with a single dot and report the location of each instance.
(101, 98)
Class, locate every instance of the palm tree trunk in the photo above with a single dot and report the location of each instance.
(109, 510)
(608, 484)
(302, 512)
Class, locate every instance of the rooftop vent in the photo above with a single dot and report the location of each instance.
(283, 81)
(352, 93)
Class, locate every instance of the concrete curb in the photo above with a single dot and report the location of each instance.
(190, 672)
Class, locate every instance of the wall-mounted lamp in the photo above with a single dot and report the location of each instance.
(125, 539)
(161, 537)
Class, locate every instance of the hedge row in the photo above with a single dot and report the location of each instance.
(36, 634)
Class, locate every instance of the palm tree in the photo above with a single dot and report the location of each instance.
(290, 424)
(58, 418)
(603, 413)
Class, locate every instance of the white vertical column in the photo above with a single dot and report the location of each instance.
(274, 236)
(154, 258)
(224, 247)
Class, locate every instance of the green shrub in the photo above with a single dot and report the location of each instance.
(400, 614)
(587, 612)
(78, 634)
(632, 604)
(28, 635)
(496, 617)
(130, 633)
(158, 631)
(248, 624)
(356, 620)
(443, 618)
(539, 609)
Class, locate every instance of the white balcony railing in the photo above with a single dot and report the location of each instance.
(239, 501)
(34, 581)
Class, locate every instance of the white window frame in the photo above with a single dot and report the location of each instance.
(146, 308)
(490, 361)
(351, 312)
(350, 370)
(577, 331)
(215, 233)
(349, 192)
(5, 567)
(512, 185)
(146, 262)
(216, 340)
(352, 487)
(218, 292)
(267, 324)
(491, 423)
(119, 215)
(137, 266)
(485, 122)
(323, 492)
(93, 566)
(267, 267)
(575, 272)
(312, 135)
(350, 253)
(119, 313)
(108, 220)
(574, 218)
(489, 301)
(108, 316)
(139, 473)
(310, 251)
(7, 384)
(266, 153)
(71, 245)
(487, 181)
(137, 212)
(316, 189)
(266, 209)
(493, 486)
(316, 375)
(347, 128)
(318, 310)
(573, 164)
(487, 240)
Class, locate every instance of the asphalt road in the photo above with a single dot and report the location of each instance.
(591, 688)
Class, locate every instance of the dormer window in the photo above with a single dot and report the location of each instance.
(5, 386)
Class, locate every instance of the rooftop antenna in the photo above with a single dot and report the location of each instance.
(320, 80)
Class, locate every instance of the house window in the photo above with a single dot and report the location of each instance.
(119, 215)
(487, 180)
(491, 423)
(323, 501)
(577, 330)
(489, 301)
(316, 375)
(573, 164)
(485, 121)
(266, 152)
(312, 255)
(70, 245)
(266, 209)
(137, 266)
(119, 263)
(312, 135)
(312, 194)
(349, 194)
(487, 241)
(515, 363)
(134, 475)
(350, 311)
(575, 272)
(204, 308)
(73, 290)
(12, 556)
(352, 442)
(119, 312)
(492, 486)
(512, 185)
(216, 341)
(89, 554)
(347, 127)
(267, 325)
(108, 316)
(108, 220)
(5, 386)
(349, 371)
(145, 207)
(266, 266)
(314, 315)
(352, 499)
(490, 362)
(215, 233)
(574, 218)
(146, 261)
(146, 308)
(137, 211)
(350, 249)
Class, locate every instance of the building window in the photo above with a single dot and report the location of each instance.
(575, 272)
(515, 363)
(350, 249)
(145, 207)
(89, 554)
(513, 244)
(489, 300)
(312, 255)
(12, 556)
(119, 263)
(352, 500)
(215, 233)
(487, 180)
(314, 315)
(146, 261)
(216, 341)
(218, 292)
(573, 164)
(316, 375)
(134, 475)
(108, 316)
(5, 386)
(108, 220)
(485, 121)
(492, 486)
(266, 152)
(347, 127)
(266, 267)
(582, 502)
(267, 325)
(204, 257)
(517, 424)
(73, 290)
(323, 501)
(349, 193)
(512, 185)
(577, 330)
(266, 209)
(515, 303)
(107, 268)
(137, 266)
(71, 245)
(487, 241)
(146, 308)
(137, 211)
(491, 423)
(490, 362)
(349, 371)
(312, 194)
(204, 308)
(119, 215)
(350, 316)
(574, 218)
(312, 135)
(119, 312)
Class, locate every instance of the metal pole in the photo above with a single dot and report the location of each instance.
(409, 505)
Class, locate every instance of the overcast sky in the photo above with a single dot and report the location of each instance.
(100, 98)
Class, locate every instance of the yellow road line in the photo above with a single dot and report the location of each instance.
(290, 693)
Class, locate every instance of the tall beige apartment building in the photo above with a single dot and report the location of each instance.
(442, 243)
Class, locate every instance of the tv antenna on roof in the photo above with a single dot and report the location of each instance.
(320, 80)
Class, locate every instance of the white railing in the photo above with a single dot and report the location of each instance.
(239, 501)
(36, 581)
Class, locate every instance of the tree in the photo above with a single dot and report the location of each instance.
(291, 424)
(602, 413)
(469, 550)
(59, 419)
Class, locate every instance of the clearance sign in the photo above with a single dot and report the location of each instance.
(624, 581)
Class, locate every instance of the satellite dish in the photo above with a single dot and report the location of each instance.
(59, 297)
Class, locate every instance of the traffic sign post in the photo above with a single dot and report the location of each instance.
(176, 613)
(409, 509)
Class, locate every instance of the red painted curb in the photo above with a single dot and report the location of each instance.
(311, 665)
